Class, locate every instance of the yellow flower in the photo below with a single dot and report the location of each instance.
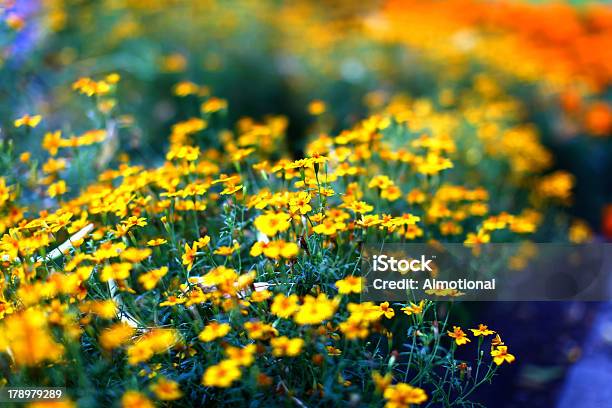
(480, 238)
(173, 300)
(52, 165)
(185, 88)
(272, 223)
(166, 390)
(415, 196)
(52, 141)
(5, 192)
(241, 154)
(25, 157)
(227, 179)
(299, 204)
(431, 164)
(213, 331)
(220, 276)
(482, 330)
(106, 309)
(333, 351)
(580, 232)
(56, 223)
(496, 342)
(450, 228)
(329, 227)
(214, 104)
(382, 182)
(113, 78)
(369, 220)
(58, 188)
(87, 138)
(258, 330)
(135, 221)
(288, 250)
(175, 62)
(221, 375)
(359, 207)
(153, 342)
(135, 255)
(242, 356)
(189, 153)
(459, 336)
(135, 399)
(500, 354)
(275, 249)
(230, 189)
(27, 120)
(350, 284)
(268, 248)
(150, 279)
(284, 306)
(187, 127)
(28, 337)
(522, 226)
(365, 311)
(5, 308)
(381, 382)
(226, 250)
(203, 241)
(108, 250)
(260, 296)
(402, 395)
(116, 335)
(414, 308)
(315, 310)
(89, 87)
(385, 310)
(116, 271)
(156, 242)
(189, 255)
(354, 328)
(391, 193)
(284, 346)
(316, 107)
(557, 185)
(412, 232)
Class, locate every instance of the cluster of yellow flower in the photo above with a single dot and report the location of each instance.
(183, 271)
(90, 87)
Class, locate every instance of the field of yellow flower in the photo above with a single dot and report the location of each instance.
(161, 248)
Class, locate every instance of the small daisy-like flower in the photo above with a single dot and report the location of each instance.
(350, 284)
(482, 330)
(459, 336)
(166, 390)
(501, 355)
(28, 121)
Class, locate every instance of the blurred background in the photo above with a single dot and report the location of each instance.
(553, 60)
